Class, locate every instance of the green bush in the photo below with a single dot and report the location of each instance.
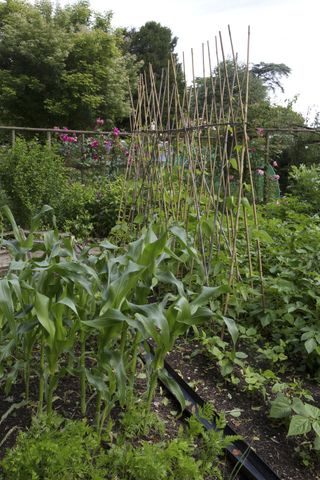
(31, 175)
(304, 183)
(90, 209)
(288, 208)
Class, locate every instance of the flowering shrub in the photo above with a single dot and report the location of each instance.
(107, 152)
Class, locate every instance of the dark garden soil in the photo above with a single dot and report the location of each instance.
(266, 437)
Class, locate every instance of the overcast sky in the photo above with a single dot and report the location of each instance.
(282, 31)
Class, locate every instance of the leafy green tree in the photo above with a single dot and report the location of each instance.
(262, 78)
(59, 66)
(152, 44)
(270, 74)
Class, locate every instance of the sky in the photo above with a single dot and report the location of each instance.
(281, 31)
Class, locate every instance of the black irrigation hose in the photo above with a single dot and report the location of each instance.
(247, 463)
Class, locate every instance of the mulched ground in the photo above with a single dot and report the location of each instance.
(265, 436)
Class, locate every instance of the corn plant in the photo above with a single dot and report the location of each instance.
(82, 313)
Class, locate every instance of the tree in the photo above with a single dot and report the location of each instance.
(152, 44)
(59, 66)
(270, 74)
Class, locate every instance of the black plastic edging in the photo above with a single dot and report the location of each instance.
(247, 463)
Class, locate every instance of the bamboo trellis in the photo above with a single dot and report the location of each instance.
(189, 158)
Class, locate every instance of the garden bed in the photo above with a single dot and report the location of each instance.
(266, 437)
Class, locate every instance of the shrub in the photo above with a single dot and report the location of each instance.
(305, 184)
(31, 175)
(90, 209)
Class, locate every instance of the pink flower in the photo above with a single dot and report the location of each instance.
(100, 121)
(94, 144)
(260, 171)
(116, 132)
(276, 177)
(56, 128)
(275, 164)
(95, 156)
(260, 132)
(231, 177)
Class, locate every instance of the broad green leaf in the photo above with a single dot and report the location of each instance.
(41, 307)
(16, 231)
(168, 277)
(202, 314)
(153, 321)
(180, 233)
(312, 411)
(138, 219)
(110, 318)
(261, 235)
(207, 227)
(234, 163)
(152, 250)
(97, 381)
(299, 407)
(310, 345)
(183, 308)
(299, 425)
(107, 245)
(280, 407)
(245, 202)
(316, 427)
(207, 293)
(15, 284)
(6, 302)
(69, 303)
(232, 329)
(173, 386)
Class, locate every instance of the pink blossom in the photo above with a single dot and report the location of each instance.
(260, 171)
(260, 132)
(100, 121)
(94, 144)
(231, 177)
(95, 156)
(129, 161)
(116, 132)
(276, 177)
(56, 128)
(275, 164)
